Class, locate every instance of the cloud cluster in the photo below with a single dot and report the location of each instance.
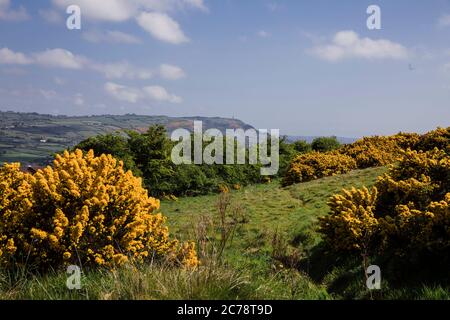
(162, 27)
(134, 95)
(9, 14)
(150, 15)
(64, 59)
(348, 44)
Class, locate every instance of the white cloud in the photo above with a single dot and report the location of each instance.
(159, 93)
(348, 44)
(444, 20)
(122, 93)
(171, 72)
(59, 58)
(134, 95)
(8, 14)
(199, 4)
(122, 70)
(64, 59)
(162, 27)
(122, 10)
(116, 37)
(151, 15)
(8, 56)
(263, 34)
(114, 10)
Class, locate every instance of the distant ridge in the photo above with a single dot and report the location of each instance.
(32, 138)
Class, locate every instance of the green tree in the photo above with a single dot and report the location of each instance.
(115, 144)
(324, 144)
(301, 146)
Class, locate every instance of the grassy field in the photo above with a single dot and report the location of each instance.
(259, 242)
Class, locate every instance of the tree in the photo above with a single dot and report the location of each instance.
(301, 146)
(114, 144)
(324, 144)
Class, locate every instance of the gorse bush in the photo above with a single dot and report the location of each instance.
(352, 222)
(314, 165)
(369, 152)
(373, 151)
(86, 210)
(406, 214)
(438, 138)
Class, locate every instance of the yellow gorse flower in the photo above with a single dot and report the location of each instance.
(83, 208)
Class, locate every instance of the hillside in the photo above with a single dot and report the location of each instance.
(33, 138)
(250, 270)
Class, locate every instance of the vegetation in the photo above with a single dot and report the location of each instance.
(277, 240)
(148, 155)
(33, 139)
(365, 153)
(324, 144)
(315, 165)
(83, 210)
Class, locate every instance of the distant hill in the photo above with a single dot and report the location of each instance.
(32, 138)
(309, 139)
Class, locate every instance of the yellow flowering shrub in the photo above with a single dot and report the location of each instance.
(415, 229)
(374, 151)
(439, 138)
(314, 165)
(351, 223)
(407, 210)
(83, 209)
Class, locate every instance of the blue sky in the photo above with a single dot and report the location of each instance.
(305, 67)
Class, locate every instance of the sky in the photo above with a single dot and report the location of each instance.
(302, 66)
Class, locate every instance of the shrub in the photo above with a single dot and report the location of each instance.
(439, 138)
(324, 144)
(351, 223)
(316, 165)
(407, 213)
(373, 151)
(149, 155)
(301, 146)
(84, 209)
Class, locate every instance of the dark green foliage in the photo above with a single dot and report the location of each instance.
(114, 144)
(324, 144)
(301, 146)
(149, 155)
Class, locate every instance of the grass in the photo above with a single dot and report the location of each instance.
(271, 250)
(268, 209)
